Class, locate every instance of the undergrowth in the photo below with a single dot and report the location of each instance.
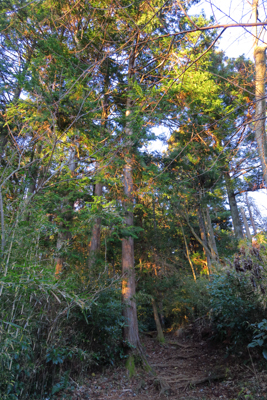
(53, 331)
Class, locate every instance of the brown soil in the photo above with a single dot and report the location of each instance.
(185, 369)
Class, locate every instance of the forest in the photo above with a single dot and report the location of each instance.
(133, 150)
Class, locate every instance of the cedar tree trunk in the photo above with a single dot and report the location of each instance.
(211, 237)
(130, 331)
(203, 237)
(246, 224)
(260, 106)
(233, 207)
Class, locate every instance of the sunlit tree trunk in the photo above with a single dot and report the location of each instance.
(260, 106)
(246, 224)
(128, 285)
(211, 237)
(204, 237)
(188, 254)
(233, 207)
(251, 215)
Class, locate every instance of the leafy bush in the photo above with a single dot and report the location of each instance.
(186, 301)
(103, 330)
(234, 305)
(260, 336)
(51, 329)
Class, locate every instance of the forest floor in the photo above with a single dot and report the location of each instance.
(187, 369)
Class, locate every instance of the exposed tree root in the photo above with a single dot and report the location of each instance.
(162, 385)
(185, 382)
(184, 346)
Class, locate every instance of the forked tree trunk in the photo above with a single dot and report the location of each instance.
(130, 329)
(188, 254)
(233, 207)
(260, 106)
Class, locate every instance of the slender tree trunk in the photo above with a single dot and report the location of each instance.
(161, 313)
(94, 247)
(2, 225)
(32, 177)
(260, 107)
(154, 214)
(211, 237)
(233, 207)
(160, 336)
(64, 234)
(246, 224)
(251, 215)
(204, 237)
(188, 254)
(200, 241)
(128, 285)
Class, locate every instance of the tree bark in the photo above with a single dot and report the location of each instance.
(233, 207)
(94, 247)
(251, 215)
(188, 254)
(64, 234)
(204, 237)
(130, 330)
(160, 336)
(246, 224)
(205, 246)
(211, 237)
(260, 106)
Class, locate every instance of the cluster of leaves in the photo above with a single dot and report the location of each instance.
(51, 330)
(234, 306)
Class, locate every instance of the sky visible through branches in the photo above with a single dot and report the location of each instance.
(234, 42)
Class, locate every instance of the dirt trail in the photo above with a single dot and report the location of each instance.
(189, 370)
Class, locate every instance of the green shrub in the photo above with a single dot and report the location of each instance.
(103, 327)
(188, 301)
(50, 330)
(234, 305)
(260, 337)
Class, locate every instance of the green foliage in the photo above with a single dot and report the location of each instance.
(260, 336)
(104, 328)
(234, 306)
(188, 301)
(50, 330)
